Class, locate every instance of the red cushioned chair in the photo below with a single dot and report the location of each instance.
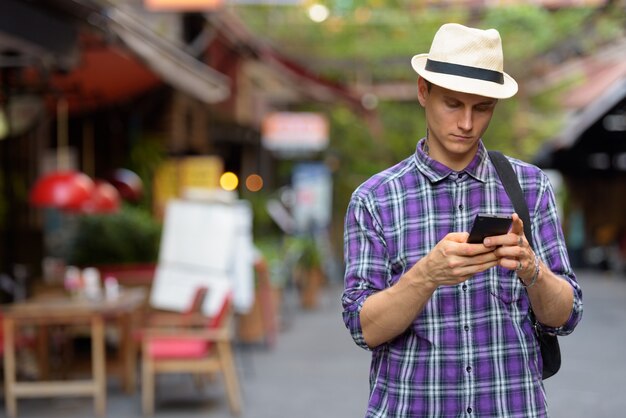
(189, 343)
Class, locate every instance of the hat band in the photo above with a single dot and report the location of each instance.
(464, 71)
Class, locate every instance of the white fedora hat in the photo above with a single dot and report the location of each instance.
(467, 60)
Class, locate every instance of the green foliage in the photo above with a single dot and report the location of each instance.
(361, 154)
(128, 236)
(376, 38)
(146, 155)
(310, 255)
(515, 24)
(263, 225)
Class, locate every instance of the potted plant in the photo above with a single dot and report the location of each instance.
(123, 244)
(309, 275)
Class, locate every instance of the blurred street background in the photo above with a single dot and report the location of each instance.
(188, 163)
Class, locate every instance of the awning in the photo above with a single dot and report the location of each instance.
(593, 127)
(583, 119)
(177, 68)
(589, 139)
(278, 75)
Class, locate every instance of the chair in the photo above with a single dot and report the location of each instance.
(189, 342)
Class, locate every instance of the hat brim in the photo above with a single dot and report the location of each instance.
(465, 84)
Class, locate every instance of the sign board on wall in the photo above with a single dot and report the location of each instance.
(312, 186)
(176, 176)
(295, 132)
(201, 172)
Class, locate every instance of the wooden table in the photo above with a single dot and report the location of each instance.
(63, 310)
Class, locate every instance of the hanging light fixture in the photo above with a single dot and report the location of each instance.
(128, 184)
(63, 188)
(104, 198)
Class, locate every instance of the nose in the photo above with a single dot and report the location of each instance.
(465, 120)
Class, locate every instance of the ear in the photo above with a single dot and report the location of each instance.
(422, 91)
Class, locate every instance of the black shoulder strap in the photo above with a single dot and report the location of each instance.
(513, 189)
(548, 343)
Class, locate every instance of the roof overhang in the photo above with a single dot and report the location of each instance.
(273, 68)
(588, 141)
(595, 115)
(177, 68)
(581, 121)
(29, 36)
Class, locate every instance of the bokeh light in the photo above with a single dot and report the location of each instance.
(229, 181)
(318, 13)
(254, 182)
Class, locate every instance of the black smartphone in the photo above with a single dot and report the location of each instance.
(487, 225)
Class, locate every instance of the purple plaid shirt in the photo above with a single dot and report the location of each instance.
(472, 351)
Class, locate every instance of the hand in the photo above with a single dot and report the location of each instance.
(453, 260)
(513, 250)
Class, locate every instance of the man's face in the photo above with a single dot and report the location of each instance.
(456, 121)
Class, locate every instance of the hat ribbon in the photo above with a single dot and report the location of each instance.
(464, 71)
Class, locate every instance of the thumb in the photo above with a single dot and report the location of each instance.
(518, 225)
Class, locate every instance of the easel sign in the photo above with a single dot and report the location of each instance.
(205, 244)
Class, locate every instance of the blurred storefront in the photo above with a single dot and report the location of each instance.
(153, 87)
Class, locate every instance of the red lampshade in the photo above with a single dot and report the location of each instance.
(127, 183)
(61, 189)
(104, 198)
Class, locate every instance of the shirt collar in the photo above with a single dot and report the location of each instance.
(436, 171)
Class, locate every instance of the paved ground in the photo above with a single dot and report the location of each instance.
(315, 371)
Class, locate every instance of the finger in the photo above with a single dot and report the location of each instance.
(512, 264)
(457, 236)
(517, 226)
(462, 273)
(478, 268)
(510, 239)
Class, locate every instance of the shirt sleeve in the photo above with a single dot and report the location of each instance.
(553, 252)
(366, 263)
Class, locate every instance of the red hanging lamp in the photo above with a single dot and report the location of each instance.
(104, 198)
(63, 188)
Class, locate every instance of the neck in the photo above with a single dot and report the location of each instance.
(456, 162)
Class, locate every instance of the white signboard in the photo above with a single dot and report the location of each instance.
(208, 244)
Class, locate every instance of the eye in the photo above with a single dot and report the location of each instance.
(484, 107)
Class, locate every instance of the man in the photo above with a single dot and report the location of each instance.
(447, 321)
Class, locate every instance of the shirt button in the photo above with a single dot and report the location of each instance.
(466, 327)
(469, 410)
(468, 369)
(460, 207)
(464, 287)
